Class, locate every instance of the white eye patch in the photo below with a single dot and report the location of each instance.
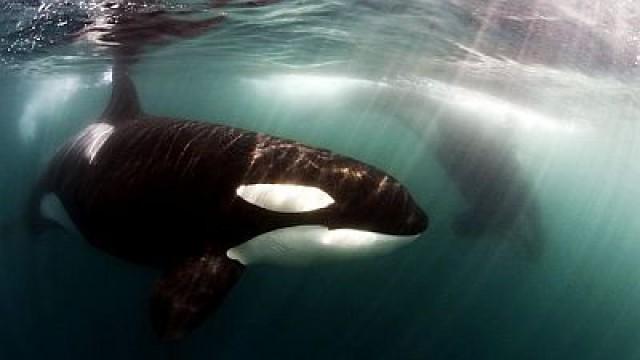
(285, 198)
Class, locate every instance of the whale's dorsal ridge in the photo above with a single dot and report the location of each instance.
(189, 291)
(124, 105)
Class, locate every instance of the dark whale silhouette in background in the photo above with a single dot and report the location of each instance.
(480, 160)
(200, 200)
(474, 142)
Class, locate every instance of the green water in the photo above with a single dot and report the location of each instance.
(372, 82)
(442, 296)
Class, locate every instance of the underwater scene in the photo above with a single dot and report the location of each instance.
(273, 179)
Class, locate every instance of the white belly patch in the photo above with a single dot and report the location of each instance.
(304, 245)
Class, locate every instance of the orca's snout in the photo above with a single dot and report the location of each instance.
(387, 208)
(397, 211)
(416, 219)
(404, 215)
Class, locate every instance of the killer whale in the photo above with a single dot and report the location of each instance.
(471, 135)
(200, 201)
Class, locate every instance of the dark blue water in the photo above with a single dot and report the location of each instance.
(551, 87)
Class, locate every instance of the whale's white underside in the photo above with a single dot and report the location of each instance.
(309, 244)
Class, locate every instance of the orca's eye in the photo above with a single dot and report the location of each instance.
(285, 198)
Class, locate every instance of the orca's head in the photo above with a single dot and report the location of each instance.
(304, 205)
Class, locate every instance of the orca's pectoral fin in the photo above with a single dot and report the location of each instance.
(189, 292)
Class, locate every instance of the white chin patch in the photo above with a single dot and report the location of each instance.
(52, 208)
(286, 198)
(304, 245)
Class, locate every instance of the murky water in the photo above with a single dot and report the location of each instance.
(513, 124)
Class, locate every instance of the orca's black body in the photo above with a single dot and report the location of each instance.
(163, 192)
